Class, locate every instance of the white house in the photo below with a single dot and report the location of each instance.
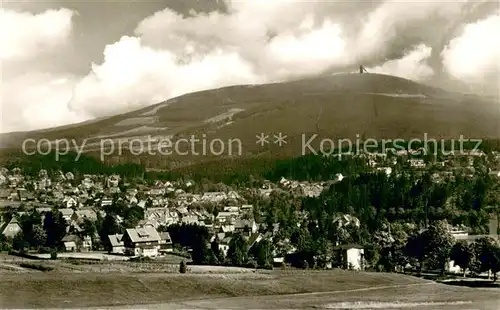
(12, 228)
(67, 213)
(352, 256)
(224, 245)
(117, 244)
(417, 163)
(143, 241)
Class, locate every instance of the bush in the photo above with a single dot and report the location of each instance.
(53, 254)
(44, 250)
(268, 266)
(305, 264)
(252, 264)
(36, 267)
(141, 259)
(182, 267)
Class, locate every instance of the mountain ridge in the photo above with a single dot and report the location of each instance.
(337, 106)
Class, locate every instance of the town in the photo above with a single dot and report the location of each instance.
(272, 224)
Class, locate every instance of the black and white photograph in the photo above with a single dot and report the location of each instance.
(250, 154)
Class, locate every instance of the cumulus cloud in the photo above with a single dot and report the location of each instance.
(24, 35)
(32, 99)
(474, 55)
(397, 22)
(37, 100)
(133, 76)
(412, 66)
(254, 41)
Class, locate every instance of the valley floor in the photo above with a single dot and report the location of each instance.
(275, 289)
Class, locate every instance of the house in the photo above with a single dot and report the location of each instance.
(72, 243)
(43, 210)
(112, 181)
(233, 195)
(117, 246)
(231, 209)
(79, 215)
(69, 246)
(227, 228)
(147, 222)
(166, 244)
(190, 219)
(66, 213)
(350, 256)
(86, 244)
(157, 192)
(25, 195)
(214, 196)
(131, 192)
(70, 202)
(417, 163)
(224, 245)
(114, 190)
(246, 227)
(171, 217)
(246, 208)
(143, 241)
(12, 228)
(225, 216)
(106, 202)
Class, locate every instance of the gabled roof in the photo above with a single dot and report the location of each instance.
(144, 234)
(86, 213)
(253, 238)
(245, 223)
(66, 211)
(165, 236)
(116, 240)
(348, 246)
(226, 240)
(71, 238)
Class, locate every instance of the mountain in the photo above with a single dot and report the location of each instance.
(338, 106)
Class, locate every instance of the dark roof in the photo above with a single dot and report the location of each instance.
(71, 238)
(348, 246)
(165, 236)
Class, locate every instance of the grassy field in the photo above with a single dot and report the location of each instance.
(423, 296)
(57, 289)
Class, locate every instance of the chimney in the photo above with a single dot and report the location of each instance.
(493, 226)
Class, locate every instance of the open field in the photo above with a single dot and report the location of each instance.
(104, 263)
(59, 289)
(157, 284)
(413, 296)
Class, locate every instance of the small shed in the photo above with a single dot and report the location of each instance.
(350, 256)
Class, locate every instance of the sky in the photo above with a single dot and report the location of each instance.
(69, 61)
